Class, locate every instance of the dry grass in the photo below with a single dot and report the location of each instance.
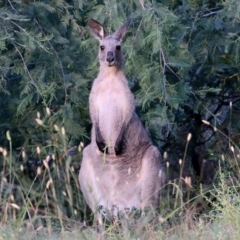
(44, 201)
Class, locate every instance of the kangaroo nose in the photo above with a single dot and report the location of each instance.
(110, 57)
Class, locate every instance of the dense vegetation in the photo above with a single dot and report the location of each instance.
(182, 60)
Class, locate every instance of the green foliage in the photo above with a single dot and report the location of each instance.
(41, 49)
(182, 61)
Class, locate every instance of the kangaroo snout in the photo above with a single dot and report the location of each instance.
(110, 57)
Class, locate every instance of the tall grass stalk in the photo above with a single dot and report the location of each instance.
(51, 201)
(10, 160)
(235, 166)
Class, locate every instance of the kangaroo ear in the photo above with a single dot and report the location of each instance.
(96, 29)
(120, 33)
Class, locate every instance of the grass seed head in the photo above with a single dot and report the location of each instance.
(39, 171)
(21, 167)
(14, 205)
(8, 136)
(47, 158)
(56, 128)
(39, 228)
(39, 121)
(189, 137)
(206, 122)
(38, 150)
(45, 163)
(63, 131)
(12, 197)
(48, 111)
(23, 154)
(48, 183)
(79, 148)
(4, 179)
(4, 152)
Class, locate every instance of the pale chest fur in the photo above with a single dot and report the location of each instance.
(111, 105)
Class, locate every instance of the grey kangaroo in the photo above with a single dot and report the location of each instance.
(120, 169)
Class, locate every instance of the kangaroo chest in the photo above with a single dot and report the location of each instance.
(110, 104)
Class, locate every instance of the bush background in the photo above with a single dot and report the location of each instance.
(182, 63)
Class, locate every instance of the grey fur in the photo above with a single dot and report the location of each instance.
(120, 168)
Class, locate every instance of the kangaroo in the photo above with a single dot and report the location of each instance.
(120, 169)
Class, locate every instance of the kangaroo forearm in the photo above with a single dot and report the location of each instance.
(99, 140)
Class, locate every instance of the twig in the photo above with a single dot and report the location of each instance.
(12, 5)
(24, 63)
(211, 13)
(60, 62)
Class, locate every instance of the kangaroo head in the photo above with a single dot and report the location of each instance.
(110, 53)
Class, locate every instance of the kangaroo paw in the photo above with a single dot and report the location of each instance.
(102, 147)
(100, 141)
(119, 145)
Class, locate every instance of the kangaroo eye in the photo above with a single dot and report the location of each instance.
(118, 47)
(102, 48)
